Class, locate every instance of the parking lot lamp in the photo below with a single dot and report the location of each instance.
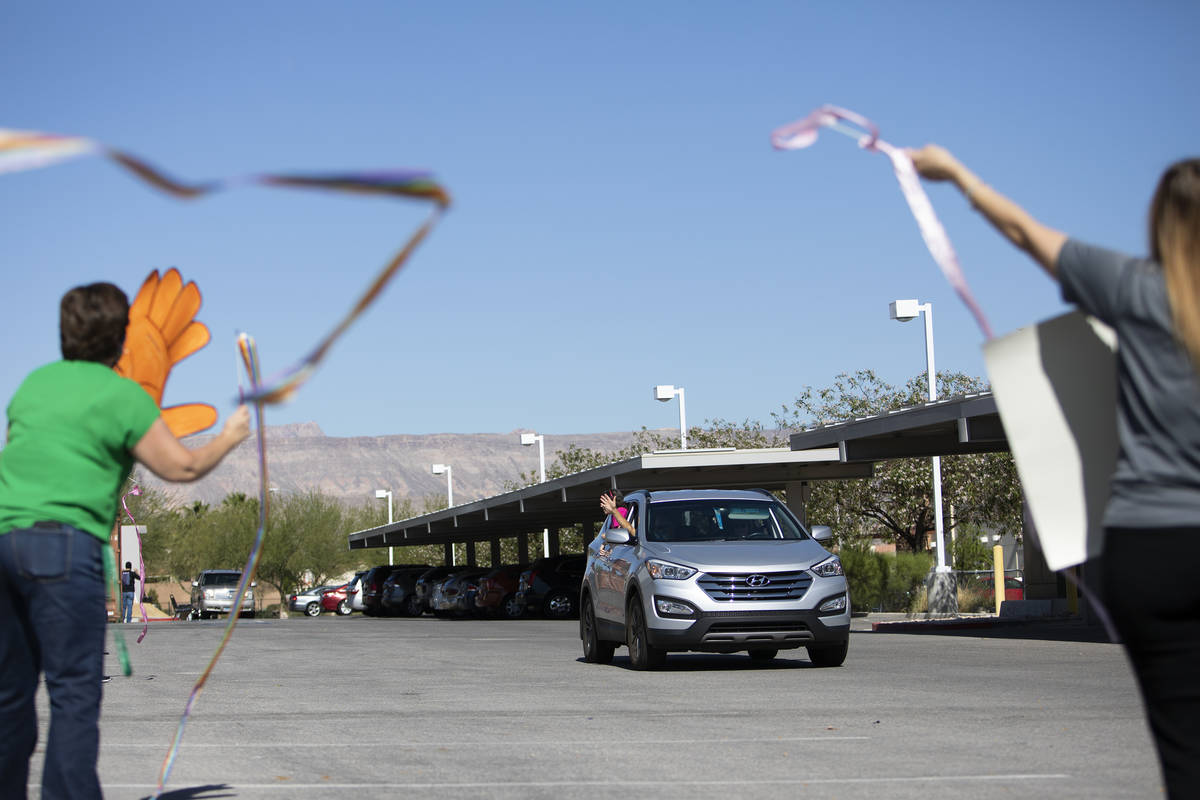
(664, 393)
(379, 495)
(903, 311)
(438, 469)
(528, 440)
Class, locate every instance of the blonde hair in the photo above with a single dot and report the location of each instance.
(1175, 244)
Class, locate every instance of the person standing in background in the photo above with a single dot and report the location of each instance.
(128, 577)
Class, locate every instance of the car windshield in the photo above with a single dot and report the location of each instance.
(720, 520)
(222, 578)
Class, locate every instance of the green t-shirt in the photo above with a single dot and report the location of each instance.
(71, 426)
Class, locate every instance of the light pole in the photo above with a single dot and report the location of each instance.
(438, 469)
(528, 440)
(943, 590)
(379, 495)
(664, 393)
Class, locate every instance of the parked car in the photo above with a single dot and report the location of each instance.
(426, 583)
(337, 600)
(308, 600)
(399, 593)
(455, 596)
(355, 592)
(372, 584)
(717, 571)
(497, 592)
(213, 591)
(1014, 587)
(550, 586)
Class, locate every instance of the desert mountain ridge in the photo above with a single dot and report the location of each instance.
(300, 457)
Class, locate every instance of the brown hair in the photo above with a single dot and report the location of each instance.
(91, 323)
(1175, 244)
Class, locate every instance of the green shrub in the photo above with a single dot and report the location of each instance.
(864, 576)
(905, 581)
(970, 554)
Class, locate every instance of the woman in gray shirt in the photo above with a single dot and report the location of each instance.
(1152, 520)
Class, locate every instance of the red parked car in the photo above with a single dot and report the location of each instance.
(335, 599)
(496, 594)
(1014, 588)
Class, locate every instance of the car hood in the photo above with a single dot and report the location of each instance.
(775, 555)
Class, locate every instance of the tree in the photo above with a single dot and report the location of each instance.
(980, 489)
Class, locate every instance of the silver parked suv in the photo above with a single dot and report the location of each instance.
(712, 570)
(213, 591)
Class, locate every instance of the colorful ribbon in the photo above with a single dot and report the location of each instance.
(136, 491)
(802, 133)
(22, 150)
(249, 353)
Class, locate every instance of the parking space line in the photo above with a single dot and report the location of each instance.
(523, 743)
(499, 785)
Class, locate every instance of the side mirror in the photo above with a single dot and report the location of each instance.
(195, 583)
(822, 533)
(253, 584)
(616, 536)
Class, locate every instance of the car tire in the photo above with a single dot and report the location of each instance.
(642, 654)
(559, 605)
(413, 606)
(828, 655)
(343, 608)
(763, 653)
(511, 608)
(595, 651)
(313, 609)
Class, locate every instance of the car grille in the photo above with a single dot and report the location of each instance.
(772, 586)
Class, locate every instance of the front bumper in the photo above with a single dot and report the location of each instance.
(731, 631)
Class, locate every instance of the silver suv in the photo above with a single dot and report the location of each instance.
(213, 591)
(712, 570)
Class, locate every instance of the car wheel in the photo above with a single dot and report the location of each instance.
(559, 605)
(642, 654)
(343, 608)
(511, 608)
(828, 655)
(313, 609)
(763, 654)
(594, 650)
(413, 606)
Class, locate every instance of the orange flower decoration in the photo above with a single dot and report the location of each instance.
(162, 332)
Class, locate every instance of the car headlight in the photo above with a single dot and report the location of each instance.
(665, 570)
(829, 568)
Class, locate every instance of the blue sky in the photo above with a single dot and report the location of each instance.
(620, 218)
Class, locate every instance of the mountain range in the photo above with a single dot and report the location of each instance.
(300, 457)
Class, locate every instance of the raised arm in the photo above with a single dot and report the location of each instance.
(167, 458)
(1041, 243)
(608, 504)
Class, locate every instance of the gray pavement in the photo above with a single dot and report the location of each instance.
(395, 708)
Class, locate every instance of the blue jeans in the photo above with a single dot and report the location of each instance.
(127, 606)
(52, 621)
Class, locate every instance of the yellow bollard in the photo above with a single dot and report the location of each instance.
(998, 575)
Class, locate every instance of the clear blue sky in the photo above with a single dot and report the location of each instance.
(620, 217)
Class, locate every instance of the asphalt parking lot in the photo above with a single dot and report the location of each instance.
(397, 708)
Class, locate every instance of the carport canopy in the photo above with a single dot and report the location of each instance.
(575, 498)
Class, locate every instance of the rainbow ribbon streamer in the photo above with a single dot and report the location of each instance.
(136, 491)
(23, 150)
(249, 354)
(802, 133)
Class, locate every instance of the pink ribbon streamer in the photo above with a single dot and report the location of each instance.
(136, 491)
(802, 133)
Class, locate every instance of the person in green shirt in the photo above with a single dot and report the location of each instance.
(75, 429)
